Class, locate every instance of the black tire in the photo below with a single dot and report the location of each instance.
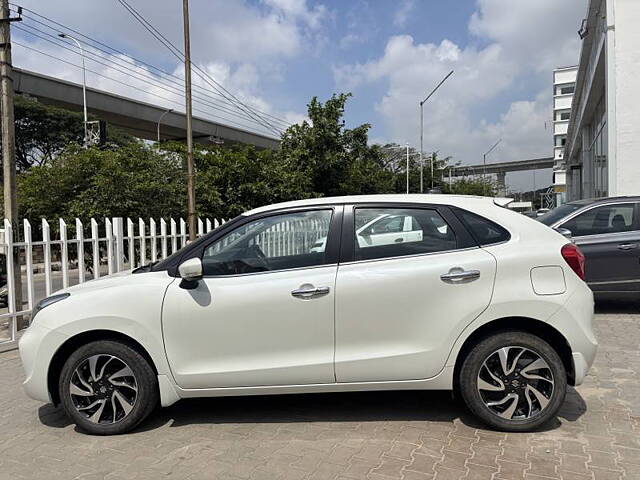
(144, 379)
(523, 419)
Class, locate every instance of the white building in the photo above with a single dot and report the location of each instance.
(564, 83)
(602, 151)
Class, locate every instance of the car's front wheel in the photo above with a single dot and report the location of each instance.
(107, 387)
(513, 381)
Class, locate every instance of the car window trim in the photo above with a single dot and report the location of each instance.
(333, 237)
(560, 223)
(347, 247)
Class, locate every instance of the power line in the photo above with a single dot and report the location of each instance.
(203, 75)
(141, 76)
(231, 122)
(92, 42)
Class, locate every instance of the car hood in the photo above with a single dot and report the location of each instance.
(115, 279)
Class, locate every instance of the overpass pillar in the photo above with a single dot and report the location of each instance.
(502, 184)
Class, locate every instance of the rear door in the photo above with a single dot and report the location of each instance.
(400, 306)
(609, 237)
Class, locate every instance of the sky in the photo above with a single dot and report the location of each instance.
(277, 54)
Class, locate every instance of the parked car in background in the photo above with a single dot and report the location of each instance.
(474, 298)
(607, 230)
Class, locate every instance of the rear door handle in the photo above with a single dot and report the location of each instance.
(308, 291)
(458, 275)
(627, 246)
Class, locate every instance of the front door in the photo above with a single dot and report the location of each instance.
(609, 238)
(400, 306)
(264, 312)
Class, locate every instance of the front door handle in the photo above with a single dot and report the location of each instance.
(459, 275)
(627, 246)
(308, 291)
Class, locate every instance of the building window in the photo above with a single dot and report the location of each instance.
(565, 89)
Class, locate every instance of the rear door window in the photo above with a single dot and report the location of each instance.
(394, 232)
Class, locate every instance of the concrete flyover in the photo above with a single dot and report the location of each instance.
(138, 118)
(500, 169)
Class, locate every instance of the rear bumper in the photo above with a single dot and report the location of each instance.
(575, 321)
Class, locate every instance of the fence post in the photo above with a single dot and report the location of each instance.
(174, 236)
(132, 244)
(80, 240)
(28, 255)
(46, 247)
(183, 232)
(143, 242)
(163, 237)
(11, 299)
(95, 248)
(119, 241)
(154, 246)
(109, 234)
(64, 253)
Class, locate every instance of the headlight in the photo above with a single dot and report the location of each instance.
(45, 302)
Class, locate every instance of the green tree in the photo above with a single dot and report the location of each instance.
(333, 159)
(131, 181)
(43, 131)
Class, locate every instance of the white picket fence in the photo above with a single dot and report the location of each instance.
(96, 249)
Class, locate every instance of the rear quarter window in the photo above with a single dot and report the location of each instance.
(484, 231)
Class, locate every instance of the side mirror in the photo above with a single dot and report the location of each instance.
(190, 271)
(565, 232)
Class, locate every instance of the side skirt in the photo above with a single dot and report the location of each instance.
(170, 393)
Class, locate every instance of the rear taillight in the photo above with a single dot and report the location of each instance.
(574, 257)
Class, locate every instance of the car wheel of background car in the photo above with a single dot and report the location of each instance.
(513, 381)
(107, 387)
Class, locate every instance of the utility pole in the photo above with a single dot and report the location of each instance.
(191, 191)
(9, 139)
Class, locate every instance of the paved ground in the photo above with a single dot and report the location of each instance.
(378, 436)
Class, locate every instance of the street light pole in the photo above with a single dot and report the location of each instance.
(407, 168)
(84, 83)
(484, 165)
(191, 193)
(160, 120)
(422, 132)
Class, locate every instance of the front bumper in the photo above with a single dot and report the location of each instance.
(37, 346)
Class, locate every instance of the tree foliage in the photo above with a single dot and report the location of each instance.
(318, 157)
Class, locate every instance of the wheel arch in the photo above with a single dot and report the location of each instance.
(536, 327)
(73, 343)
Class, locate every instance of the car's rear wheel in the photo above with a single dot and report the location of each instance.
(107, 387)
(513, 381)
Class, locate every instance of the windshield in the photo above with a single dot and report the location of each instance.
(559, 213)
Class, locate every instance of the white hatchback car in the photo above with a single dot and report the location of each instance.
(483, 301)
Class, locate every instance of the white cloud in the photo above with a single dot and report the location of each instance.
(518, 44)
(402, 14)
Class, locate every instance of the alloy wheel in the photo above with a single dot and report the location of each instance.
(103, 389)
(515, 383)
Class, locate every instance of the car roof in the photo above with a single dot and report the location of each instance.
(457, 200)
(592, 201)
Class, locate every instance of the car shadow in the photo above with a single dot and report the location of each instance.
(613, 303)
(433, 406)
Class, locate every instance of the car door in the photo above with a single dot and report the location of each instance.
(263, 314)
(399, 307)
(609, 237)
